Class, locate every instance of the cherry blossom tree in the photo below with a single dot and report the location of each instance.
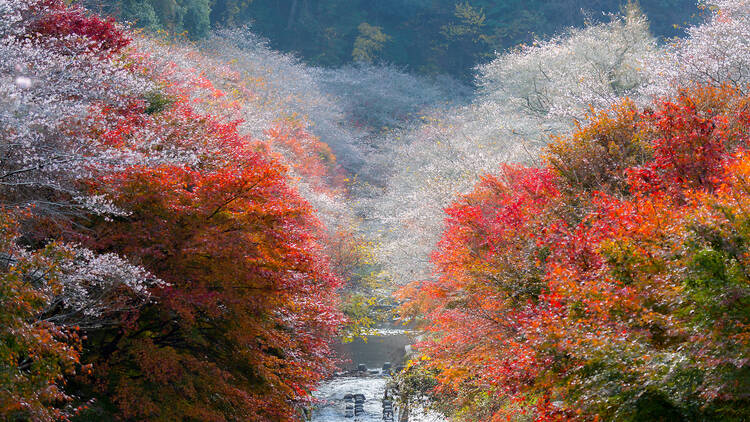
(716, 52)
(52, 78)
(525, 96)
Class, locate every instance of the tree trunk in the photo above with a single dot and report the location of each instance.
(292, 12)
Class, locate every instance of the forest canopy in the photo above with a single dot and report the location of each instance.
(441, 36)
(189, 226)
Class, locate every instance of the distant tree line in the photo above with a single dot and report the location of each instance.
(428, 36)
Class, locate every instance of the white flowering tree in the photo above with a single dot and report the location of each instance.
(51, 84)
(590, 67)
(348, 109)
(386, 97)
(525, 96)
(716, 52)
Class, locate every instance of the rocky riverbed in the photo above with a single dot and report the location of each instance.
(388, 346)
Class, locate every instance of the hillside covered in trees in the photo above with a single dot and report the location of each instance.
(436, 36)
(190, 225)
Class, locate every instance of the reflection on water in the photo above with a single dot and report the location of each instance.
(377, 350)
(333, 391)
(387, 347)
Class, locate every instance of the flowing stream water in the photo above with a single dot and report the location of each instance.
(388, 346)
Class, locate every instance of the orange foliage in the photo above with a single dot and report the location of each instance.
(612, 282)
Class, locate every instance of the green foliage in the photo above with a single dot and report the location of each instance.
(35, 355)
(157, 102)
(469, 22)
(440, 36)
(142, 13)
(652, 405)
(196, 20)
(415, 383)
(365, 300)
(358, 309)
(174, 16)
(464, 38)
(369, 43)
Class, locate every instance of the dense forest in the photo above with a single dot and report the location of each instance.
(190, 223)
(426, 36)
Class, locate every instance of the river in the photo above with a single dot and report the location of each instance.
(388, 346)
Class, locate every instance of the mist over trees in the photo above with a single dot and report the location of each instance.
(524, 97)
(187, 224)
(605, 282)
(156, 259)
